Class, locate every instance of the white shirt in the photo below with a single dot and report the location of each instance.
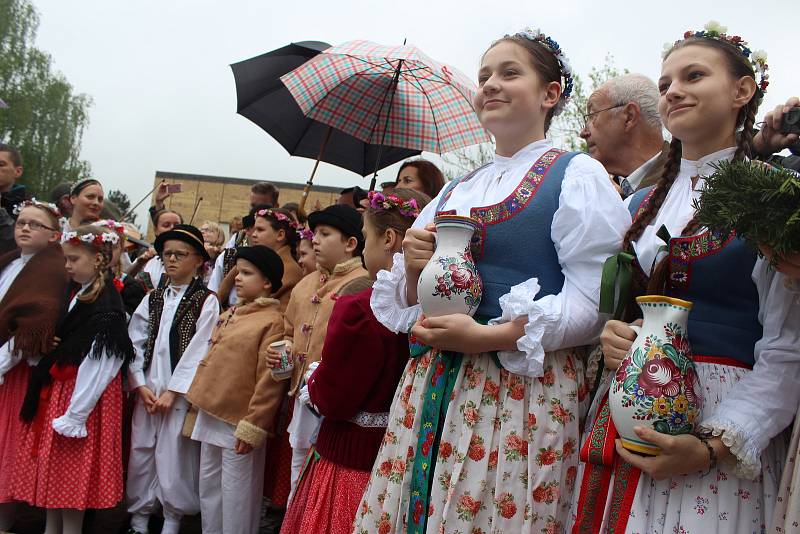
(214, 431)
(635, 178)
(94, 375)
(154, 268)
(160, 377)
(218, 272)
(587, 228)
(765, 401)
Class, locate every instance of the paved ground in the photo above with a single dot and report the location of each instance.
(31, 521)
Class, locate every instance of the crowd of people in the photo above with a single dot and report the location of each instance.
(290, 363)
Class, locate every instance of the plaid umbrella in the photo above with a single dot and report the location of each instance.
(388, 95)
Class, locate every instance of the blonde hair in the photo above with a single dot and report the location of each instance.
(217, 229)
(105, 249)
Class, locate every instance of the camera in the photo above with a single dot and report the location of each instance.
(790, 122)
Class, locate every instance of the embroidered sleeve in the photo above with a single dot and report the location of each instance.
(388, 300)
(587, 228)
(94, 375)
(197, 348)
(765, 401)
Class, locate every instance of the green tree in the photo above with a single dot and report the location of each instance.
(123, 203)
(45, 119)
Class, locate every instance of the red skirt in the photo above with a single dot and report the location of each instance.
(53, 471)
(326, 499)
(12, 393)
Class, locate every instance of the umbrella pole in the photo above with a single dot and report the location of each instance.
(310, 182)
(393, 91)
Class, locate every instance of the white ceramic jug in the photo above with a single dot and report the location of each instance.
(450, 282)
(656, 384)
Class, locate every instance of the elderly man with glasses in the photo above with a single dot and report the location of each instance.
(622, 130)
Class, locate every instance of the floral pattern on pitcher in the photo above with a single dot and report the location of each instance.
(659, 381)
(460, 276)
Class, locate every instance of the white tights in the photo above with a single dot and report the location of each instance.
(64, 521)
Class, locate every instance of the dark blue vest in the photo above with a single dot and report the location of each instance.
(512, 243)
(714, 272)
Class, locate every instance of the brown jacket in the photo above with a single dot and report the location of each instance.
(233, 382)
(309, 309)
(292, 274)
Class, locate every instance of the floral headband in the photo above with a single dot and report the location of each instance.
(52, 208)
(407, 208)
(566, 70)
(715, 30)
(113, 225)
(305, 233)
(266, 212)
(89, 239)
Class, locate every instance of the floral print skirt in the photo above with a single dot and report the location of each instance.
(507, 456)
(719, 502)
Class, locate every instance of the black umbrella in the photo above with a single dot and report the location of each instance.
(265, 100)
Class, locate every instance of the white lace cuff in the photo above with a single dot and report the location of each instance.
(388, 300)
(69, 428)
(746, 452)
(517, 304)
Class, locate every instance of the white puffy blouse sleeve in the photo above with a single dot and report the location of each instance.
(587, 228)
(94, 375)
(184, 372)
(765, 401)
(7, 358)
(215, 279)
(388, 300)
(138, 332)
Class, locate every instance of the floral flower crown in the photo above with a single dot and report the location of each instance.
(73, 238)
(407, 208)
(52, 208)
(305, 233)
(715, 30)
(266, 212)
(113, 225)
(566, 70)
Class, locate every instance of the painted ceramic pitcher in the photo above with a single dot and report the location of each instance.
(450, 282)
(656, 384)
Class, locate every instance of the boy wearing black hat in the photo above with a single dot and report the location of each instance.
(338, 243)
(238, 398)
(170, 331)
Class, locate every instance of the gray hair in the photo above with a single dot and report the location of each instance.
(635, 88)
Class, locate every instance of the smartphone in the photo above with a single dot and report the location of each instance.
(173, 188)
(790, 122)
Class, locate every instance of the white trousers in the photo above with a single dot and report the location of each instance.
(298, 460)
(163, 467)
(231, 489)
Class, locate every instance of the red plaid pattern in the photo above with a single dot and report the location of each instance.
(345, 86)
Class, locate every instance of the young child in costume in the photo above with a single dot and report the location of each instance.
(30, 301)
(273, 228)
(170, 332)
(238, 397)
(130, 289)
(337, 248)
(70, 450)
(744, 326)
(483, 433)
(363, 358)
(305, 251)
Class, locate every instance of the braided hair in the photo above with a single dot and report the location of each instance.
(739, 66)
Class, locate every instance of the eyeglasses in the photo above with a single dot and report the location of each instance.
(589, 117)
(179, 255)
(33, 225)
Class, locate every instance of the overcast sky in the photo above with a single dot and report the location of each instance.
(164, 96)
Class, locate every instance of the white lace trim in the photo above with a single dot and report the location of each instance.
(748, 465)
(387, 305)
(371, 420)
(69, 427)
(518, 304)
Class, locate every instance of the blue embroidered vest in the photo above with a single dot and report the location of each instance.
(714, 272)
(512, 243)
